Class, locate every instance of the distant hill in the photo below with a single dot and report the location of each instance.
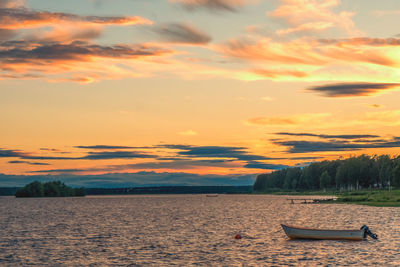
(125, 180)
(171, 190)
(10, 191)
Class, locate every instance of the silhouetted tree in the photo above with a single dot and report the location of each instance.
(34, 189)
(291, 178)
(396, 172)
(324, 180)
(385, 170)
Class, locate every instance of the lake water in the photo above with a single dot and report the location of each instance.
(188, 230)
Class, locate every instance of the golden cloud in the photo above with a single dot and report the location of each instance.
(309, 15)
(24, 18)
(311, 52)
(289, 120)
(279, 73)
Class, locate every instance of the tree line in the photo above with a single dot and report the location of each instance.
(353, 173)
(49, 189)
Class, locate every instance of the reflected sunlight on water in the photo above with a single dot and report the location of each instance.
(188, 230)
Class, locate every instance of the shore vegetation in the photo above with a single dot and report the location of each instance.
(369, 180)
(49, 189)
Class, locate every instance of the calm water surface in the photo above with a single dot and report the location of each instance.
(185, 230)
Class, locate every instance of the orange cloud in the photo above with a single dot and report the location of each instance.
(11, 3)
(306, 15)
(376, 106)
(312, 26)
(271, 121)
(66, 34)
(289, 120)
(358, 54)
(279, 73)
(312, 52)
(79, 79)
(23, 18)
(295, 52)
(355, 59)
(76, 60)
(385, 118)
(308, 59)
(364, 121)
(55, 44)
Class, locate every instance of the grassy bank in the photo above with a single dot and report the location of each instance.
(379, 198)
(299, 193)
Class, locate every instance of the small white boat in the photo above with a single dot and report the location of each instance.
(307, 233)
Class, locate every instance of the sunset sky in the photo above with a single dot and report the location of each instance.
(193, 92)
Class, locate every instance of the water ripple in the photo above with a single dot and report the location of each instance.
(187, 230)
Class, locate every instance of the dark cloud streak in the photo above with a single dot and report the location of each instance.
(101, 147)
(182, 33)
(22, 17)
(27, 52)
(315, 146)
(367, 41)
(5, 153)
(213, 5)
(352, 89)
(28, 162)
(329, 136)
(238, 153)
(90, 156)
(267, 166)
(179, 157)
(116, 155)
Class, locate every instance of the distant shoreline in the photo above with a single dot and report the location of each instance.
(380, 198)
(10, 191)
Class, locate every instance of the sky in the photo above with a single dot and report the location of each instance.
(118, 93)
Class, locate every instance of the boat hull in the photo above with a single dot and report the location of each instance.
(304, 233)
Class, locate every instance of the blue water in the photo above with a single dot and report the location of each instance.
(188, 230)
